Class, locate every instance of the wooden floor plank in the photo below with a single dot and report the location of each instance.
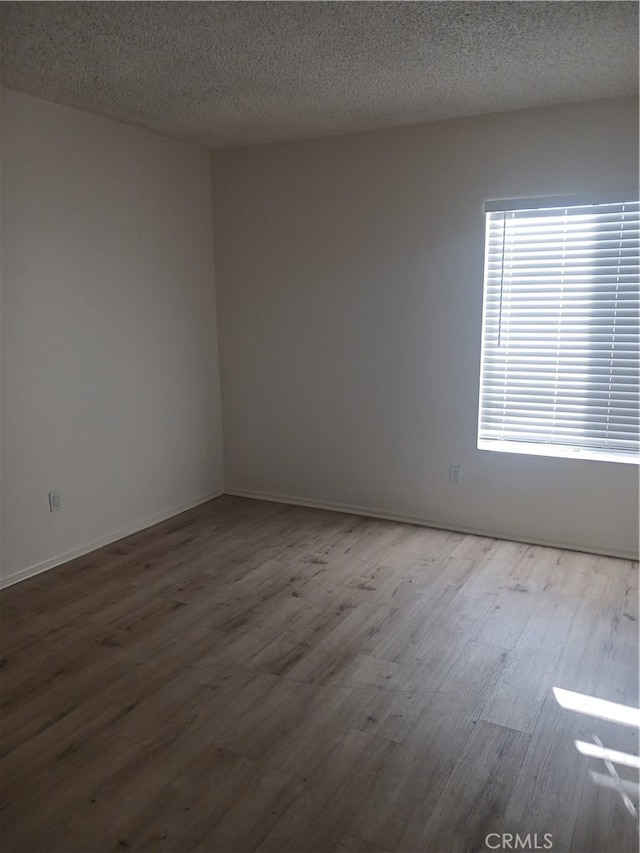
(317, 819)
(404, 796)
(350, 844)
(254, 676)
(478, 788)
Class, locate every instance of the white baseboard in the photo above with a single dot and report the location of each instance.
(583, 547)
(44, 566)
(351, 509)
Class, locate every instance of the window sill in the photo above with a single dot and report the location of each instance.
(556, 451)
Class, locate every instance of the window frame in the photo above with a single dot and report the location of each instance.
(548, 449)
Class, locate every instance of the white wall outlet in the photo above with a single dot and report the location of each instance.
(54, 501)
(455, 475)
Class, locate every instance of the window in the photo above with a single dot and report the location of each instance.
(560, 332)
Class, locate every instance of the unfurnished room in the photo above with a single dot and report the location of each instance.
(319, 435)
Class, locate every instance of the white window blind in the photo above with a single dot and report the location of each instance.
(560, 337)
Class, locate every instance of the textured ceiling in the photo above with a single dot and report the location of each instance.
(233, 73)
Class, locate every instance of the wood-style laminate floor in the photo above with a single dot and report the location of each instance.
(250, 676)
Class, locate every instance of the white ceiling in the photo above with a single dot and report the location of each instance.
(225, 74)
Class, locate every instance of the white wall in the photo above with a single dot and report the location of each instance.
(349, 275)
(109, 350)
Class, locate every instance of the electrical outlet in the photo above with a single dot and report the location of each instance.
(54, 501)
(455, 475)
